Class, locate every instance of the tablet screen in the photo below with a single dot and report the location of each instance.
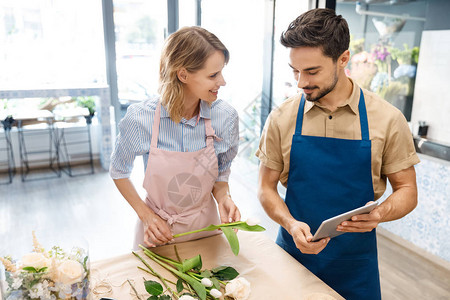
(328, 227)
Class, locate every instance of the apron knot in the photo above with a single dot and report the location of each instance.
(171, 219)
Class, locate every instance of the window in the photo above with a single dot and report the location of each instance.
(51, 43)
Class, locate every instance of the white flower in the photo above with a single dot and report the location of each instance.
(17, 283)
(70, 272)
(252, 221)
(35, 260)
(36, 291)
(207, 282)
(238, 288)
(215, 293)
(186, 297)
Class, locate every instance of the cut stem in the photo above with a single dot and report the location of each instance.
(156, 273)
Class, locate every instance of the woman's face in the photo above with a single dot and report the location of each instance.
(204, 84)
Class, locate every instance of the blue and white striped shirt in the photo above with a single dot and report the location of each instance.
(135, 135)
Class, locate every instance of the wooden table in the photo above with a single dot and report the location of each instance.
(272, 273)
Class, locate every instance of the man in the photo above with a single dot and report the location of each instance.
(333, 147)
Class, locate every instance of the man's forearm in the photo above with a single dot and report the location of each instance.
(404, 198)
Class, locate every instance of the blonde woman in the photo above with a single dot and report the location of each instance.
(188, 140)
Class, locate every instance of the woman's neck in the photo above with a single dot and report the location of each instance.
(191, 109)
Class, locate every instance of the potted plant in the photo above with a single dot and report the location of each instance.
(89, 103)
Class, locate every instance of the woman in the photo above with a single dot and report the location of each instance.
(187, 139)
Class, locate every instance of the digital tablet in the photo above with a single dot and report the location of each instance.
(328, 227)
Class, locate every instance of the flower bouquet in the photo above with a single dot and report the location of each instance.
(47, 274)
(194, 283)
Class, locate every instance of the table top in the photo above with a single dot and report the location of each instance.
(272, 273)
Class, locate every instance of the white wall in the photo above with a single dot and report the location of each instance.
(432, 90)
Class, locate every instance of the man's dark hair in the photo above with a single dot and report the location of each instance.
(319, 27)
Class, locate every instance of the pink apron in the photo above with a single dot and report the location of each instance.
(179, 186)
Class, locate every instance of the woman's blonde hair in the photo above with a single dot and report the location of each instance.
(188, 48)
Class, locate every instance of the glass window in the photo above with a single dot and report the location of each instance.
(51, 43)
(385, 43)
(284, 84)
(140, 28)
(240, 26)
(187, 13)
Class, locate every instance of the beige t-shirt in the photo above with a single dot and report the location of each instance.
(392, 143)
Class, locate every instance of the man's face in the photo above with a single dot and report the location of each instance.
(314, 72)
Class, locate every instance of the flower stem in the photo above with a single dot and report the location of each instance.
(209, 228)
(134, 290)
(156, 273)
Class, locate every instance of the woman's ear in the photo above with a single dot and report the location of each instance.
(182, 75)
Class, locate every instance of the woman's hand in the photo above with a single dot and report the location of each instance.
(156, 230)
(228, 210)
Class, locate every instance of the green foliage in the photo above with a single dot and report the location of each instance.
(34, 270)
(225, 273)
(356, 46)
(153, 287)
(232, 238)
(191, 277)
(405, 55)
(143, 31)
(229, 234)
(87, 102)
(179, 285)
(192, 263)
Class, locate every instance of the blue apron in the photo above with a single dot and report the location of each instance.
(329, 176)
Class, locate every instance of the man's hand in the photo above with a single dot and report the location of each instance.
(362, 223)
(301, 233)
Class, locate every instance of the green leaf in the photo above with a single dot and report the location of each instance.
(191, 263)
(154, 297)
(244, 226)
(153, 287)
(216, 283)
(232, 239)
(165, 297)
(42, 269)
(30, 269)
(180, 286)
(206, 273)
(197, 286)
(225, 273)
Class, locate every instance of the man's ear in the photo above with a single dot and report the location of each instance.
(182, 75)
(344, 59)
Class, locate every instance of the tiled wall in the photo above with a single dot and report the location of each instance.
(428, 226)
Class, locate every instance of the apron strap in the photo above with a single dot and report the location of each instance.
(362, 117)
(155, 127)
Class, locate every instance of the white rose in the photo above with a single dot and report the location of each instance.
(207, 282)
(186, 297)
(238, 288)
(252, 221)
(35, 260)
(215, 293)
(70, 272)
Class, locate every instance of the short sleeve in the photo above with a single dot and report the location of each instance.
(269, 151)
(128, 143)
(399, 152)
(231, 138)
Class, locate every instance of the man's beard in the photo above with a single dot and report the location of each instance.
(322, 92)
